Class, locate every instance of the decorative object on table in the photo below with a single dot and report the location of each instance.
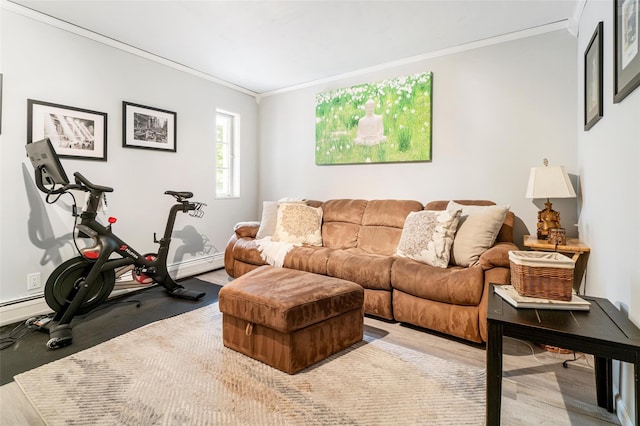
(73, 132)
(548, 182)
(577, 250)
(626, 40)
(511, 295)
(557, 236)
(593, 109)
(148, 128)
(387, 121)
(544, 275)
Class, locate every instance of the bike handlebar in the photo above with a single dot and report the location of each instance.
(83, 182)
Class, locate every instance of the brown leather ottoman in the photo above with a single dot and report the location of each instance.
(290, 319)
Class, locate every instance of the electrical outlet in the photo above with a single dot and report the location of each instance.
(33, 281)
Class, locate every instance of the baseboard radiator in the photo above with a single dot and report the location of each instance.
(20, 310)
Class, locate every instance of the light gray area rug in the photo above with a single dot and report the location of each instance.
(177, 372)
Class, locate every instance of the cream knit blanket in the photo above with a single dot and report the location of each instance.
(273, 252)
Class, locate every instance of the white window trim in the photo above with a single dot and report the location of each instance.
(234, 166)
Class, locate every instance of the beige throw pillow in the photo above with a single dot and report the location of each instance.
(268, 221)
(298, 224)
(477, 231)
(427, 236)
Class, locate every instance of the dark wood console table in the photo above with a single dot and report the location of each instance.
(603, 331)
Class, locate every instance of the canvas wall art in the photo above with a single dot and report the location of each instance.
(384, 122)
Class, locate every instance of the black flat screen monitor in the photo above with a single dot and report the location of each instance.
(44, 158)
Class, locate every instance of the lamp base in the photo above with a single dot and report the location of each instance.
(547, 219)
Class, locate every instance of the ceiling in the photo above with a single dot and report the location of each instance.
(266, 46)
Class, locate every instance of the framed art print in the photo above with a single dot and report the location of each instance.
(74, 132)
(148, 128)
(626, 34)
(593, 79)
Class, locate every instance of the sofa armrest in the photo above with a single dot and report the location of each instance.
(246, 229)
(498, 255)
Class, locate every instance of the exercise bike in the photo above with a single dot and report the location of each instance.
(82, 283)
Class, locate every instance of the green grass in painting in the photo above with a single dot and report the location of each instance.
(405, 105)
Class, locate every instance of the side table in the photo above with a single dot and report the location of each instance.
(575, 247)
(603, 331)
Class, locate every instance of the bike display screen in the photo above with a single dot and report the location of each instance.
(44, 158)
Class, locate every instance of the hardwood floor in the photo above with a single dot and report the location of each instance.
(537, 389)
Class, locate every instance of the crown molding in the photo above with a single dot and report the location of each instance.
(530, 32)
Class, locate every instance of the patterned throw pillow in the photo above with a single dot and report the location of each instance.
(298, 224)
(270, 216)
(427, 236)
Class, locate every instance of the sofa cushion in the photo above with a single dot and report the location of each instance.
(382, 224)
(427, 236)
(298, 224)
(369, 270)
(454, 285)
(389, 212)
(341, 222)
(345, 210)
(308, 258)
(477, 231)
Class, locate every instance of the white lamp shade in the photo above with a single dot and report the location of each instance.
(549, 182)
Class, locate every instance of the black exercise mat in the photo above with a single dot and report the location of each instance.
(115, 317)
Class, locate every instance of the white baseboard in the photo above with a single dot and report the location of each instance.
(21, 311)
(198, 266)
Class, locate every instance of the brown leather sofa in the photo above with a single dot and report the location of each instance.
(360, 238)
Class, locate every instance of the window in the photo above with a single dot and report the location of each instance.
(226, 162)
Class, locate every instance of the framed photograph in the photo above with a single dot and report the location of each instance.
(593, 79)
(384, 122)
(626, 34)
(148, 128)
(74, 132)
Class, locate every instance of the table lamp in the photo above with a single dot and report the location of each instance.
(548, 182)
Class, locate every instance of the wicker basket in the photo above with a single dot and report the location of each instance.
(544, 275)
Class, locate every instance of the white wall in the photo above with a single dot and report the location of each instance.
(608, 158)
(497, 112)
(42, 62)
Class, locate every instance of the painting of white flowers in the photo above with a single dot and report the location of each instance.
(384, 122)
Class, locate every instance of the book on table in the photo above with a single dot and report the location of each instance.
(508, 293)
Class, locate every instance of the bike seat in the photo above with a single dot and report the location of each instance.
(181, 195)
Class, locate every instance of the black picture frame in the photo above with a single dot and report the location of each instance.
(147, 127)
(626, 36)
(593, 67)
(76, 133)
